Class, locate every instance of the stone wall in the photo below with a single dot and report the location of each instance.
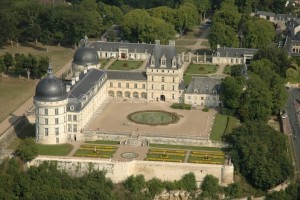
(118, 171)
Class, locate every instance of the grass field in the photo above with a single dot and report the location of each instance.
(227, 69)
(223, 125)
(180, 49)
(205, 43)
(103, 62)
(219, 127)
(196, 69)
(13, 93)
(186, 147)
(125, 65)
(180, 42)
(55, 150)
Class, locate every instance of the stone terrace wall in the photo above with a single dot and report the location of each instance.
(118, 171)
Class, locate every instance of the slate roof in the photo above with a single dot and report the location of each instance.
(126, 75)
(288, 46)
(234, 52)
(115, 46)
(84, 88)
(168, 51)
(204, 85)
(265, 13)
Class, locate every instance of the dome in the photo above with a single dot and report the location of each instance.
(50, 89)
(86, 56)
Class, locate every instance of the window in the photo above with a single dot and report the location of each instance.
(46, 131)
(57, 140)
(69, 118)
(111, 84)
(74, 117)
(46, 111)
(173, 79)
(173, 87)
(69, 127)
(202, 98)
(144, 86)
(152, 86)
(56, 131)
(127, 85)
(56, 111)
(74, 128)
(173, 96)
(162, 87)
(135, 85)
(119, 85)
(56, 120)
(152, 78)
(162, 79)
(46, 121)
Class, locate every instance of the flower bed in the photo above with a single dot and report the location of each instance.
(166, 155)
(98, 151)
(206, 157)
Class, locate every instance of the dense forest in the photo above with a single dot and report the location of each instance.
(144, 21)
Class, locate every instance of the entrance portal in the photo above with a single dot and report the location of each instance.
(123, 55)
(162, 97)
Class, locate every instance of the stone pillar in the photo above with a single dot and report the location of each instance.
(190, 57)
(227, 174)
(197, 58)
(204, 58)
(182, 56)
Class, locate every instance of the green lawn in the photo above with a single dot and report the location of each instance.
(110, 142)
(180, 42)
(55, 150)
(180, 49)
(219, 127)
(103, 62)
(185, 147)
(201, 69)
(227, 69)
(194, 34)
(205, 43)
(125, 65)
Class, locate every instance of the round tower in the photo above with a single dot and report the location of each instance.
(50, 102)
(85, 58)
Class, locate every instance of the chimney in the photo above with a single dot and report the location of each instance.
(68, 88)
(77, 77)
(73, 81)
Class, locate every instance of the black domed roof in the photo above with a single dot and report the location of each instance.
(50, 89)
(86, 56)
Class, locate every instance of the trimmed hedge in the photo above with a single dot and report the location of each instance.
(182, 106)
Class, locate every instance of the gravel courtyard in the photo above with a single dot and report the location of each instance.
(113, 117)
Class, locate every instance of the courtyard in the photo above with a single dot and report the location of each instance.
(113, 118)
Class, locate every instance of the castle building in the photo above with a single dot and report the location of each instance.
(64, 107)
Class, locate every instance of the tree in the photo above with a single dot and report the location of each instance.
(8, 60)
(187, 17)
(228, 15)
(258, 33)
(188, 182)
(256, 101)
(259, 152)
(27, 150)
(210, 187)
(231, 91)
(234, 190)
(277, 56)
(237, 70)
(155, 186)
(135, 184)
(223, 35)
(165, 13)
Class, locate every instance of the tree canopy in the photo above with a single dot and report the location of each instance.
(260, 154)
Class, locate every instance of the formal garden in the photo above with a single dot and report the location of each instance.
(198, 70)
(96, 151)
(153, 117)
(125, 65)
(166, 155)
(207, 157)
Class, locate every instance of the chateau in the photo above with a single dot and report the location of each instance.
(64, 107)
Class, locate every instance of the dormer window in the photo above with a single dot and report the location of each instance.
(163, 61)
(152, 61)
(218, 54)
(174, 62)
